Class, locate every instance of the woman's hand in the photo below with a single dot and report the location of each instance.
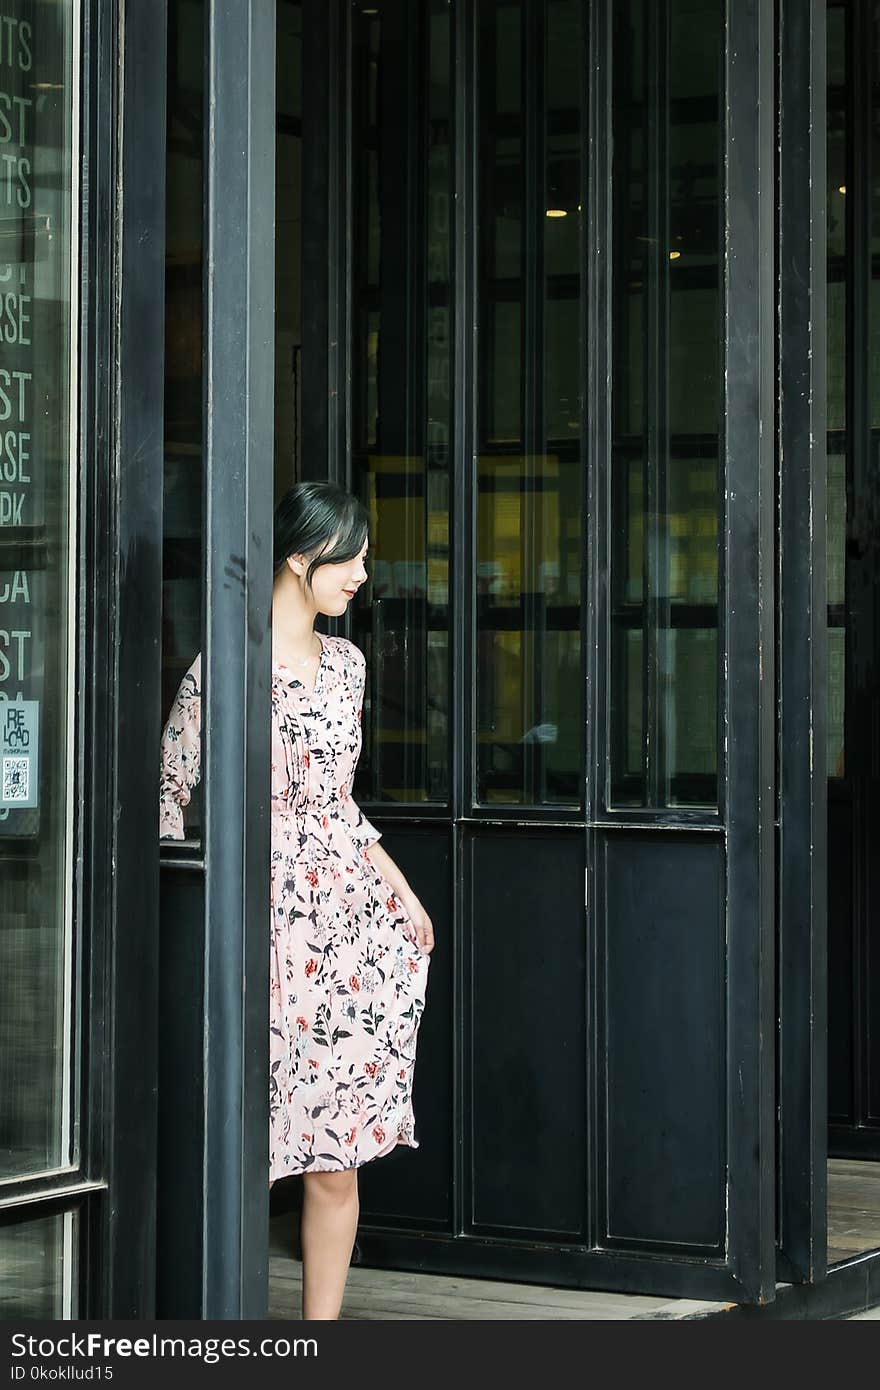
(424, 928)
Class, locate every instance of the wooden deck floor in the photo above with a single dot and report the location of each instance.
(379, 1295)
(853, 1208)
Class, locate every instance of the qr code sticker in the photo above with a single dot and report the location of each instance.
(16, 780)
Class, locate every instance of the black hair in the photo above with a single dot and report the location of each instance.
(309, 516)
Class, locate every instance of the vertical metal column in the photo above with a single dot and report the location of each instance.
(802, 644)
(239, 295)
(462, 531)
(126, 673)
(749, 727)
(596, 599)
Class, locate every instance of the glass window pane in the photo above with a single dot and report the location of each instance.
(402, 389)
(39, 80)
(666, 404)
(837, 159)
(182, 552)
(38, 1271)
(529, 688)
(288, 244)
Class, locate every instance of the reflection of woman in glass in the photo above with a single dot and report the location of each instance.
(349, 938)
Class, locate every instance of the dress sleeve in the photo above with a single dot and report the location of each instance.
(181, 751)
(362, 831)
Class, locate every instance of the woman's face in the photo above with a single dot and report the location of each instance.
(333, 586)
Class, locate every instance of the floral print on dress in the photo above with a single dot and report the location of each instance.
(347, 977)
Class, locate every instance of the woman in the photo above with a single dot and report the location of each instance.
(350, 940)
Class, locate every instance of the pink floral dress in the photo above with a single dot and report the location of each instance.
(347, 978)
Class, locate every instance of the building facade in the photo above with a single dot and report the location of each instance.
(578, 298)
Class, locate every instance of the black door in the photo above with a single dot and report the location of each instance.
(802, 800)
(554, 367)
(853, 605)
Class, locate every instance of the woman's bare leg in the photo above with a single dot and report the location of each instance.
(327, 1230)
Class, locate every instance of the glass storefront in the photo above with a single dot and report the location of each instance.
(38, 280)
(530, 464)
(530, 317)
(39, 992)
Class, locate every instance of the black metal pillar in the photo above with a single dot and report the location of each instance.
(802, 644)
(133, 523)
(749, 715)
(239, 317)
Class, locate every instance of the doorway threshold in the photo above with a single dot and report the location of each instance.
(852, 1286)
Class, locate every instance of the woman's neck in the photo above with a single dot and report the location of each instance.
(293, 623)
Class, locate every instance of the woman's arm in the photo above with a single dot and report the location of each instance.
(367, 837)
(181, 752)
(386, 865)
(424, 927)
